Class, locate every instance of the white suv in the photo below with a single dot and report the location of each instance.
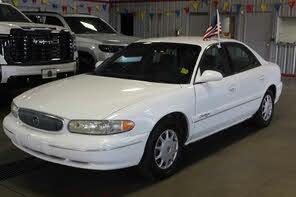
(33, 51)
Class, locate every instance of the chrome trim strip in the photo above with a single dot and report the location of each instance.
(227, 109)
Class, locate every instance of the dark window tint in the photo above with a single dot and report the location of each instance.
(216, 59)
(37, 19)
(10, 14)
(154, 62)
(51, 20)
(88, 25)
(241, 57)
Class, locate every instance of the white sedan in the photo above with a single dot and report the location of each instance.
(144, 104)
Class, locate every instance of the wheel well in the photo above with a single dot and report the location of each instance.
(273, 89)
(86, 61)
(181, 122)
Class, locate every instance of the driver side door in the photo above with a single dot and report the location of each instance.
(214, 100)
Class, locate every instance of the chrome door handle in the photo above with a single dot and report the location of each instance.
(261, 78)
(232, 89)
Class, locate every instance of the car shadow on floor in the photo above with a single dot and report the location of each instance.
(57, 180)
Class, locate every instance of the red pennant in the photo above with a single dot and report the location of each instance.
(34, 1)
(89, 8)
(65, 8)
(291, 4)
(216, 2)
(250, 8)
(186, 9)
(159, 14)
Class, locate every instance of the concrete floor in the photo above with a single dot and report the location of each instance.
(241, 161)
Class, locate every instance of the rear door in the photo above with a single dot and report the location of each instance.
(250, 78)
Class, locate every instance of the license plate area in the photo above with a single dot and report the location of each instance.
(49, 73)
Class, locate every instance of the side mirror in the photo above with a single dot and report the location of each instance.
(98, 63)
(209, 76)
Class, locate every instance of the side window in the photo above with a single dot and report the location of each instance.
(51, 20)
(242, 58)
(215, 59)
(37, 19)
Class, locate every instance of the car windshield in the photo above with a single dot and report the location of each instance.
(10, 14)
(154, 62)
(89, 25)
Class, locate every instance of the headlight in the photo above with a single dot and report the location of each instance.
(100, 127)
(14, 110)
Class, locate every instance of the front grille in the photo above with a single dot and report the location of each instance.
(37, 47)
(40, 120)
(3, 44)
(111, 48)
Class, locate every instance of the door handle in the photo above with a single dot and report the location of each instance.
(232, 89)
(261, 78)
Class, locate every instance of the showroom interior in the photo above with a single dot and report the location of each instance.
(241, 160)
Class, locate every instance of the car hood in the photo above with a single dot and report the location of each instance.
(89, 96)
(109, 38)
(5, 27)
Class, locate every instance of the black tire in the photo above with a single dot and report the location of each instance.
(148, 166)
(259, 119)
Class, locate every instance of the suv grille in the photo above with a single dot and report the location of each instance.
(40, 120)
(37, 47)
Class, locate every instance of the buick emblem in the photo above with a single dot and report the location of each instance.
(36, 121)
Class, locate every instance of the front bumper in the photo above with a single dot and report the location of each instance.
(81, 151)
(12, 71)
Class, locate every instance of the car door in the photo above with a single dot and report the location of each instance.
(214, 100)
(250, 78)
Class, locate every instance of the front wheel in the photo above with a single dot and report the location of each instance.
(162, 153)
(264, 115)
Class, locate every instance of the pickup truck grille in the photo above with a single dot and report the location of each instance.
(40, 120)
(39, 47)
(3, 44)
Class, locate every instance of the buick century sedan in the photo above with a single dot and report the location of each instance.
(143, 105)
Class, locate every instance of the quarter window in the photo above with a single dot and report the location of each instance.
(242, 58)
(216, 59)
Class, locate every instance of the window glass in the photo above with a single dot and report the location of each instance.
(10, 14)
(51, 20)
(154, 62)
(241, 57)
(37, 19)
(215, 59)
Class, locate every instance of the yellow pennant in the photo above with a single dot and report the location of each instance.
(196, 6)
(117, 9)
(74, 7)
(98, 7)
(143, 14)
(263, 7)
(44, 1)
(168, 13)
(226, 6)
(15, 2)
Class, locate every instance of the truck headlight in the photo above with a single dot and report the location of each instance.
(100, 127)
(14, 110)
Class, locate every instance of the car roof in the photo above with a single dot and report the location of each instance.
(63, 15)
(194, 40)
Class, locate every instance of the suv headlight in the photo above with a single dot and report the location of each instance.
(14, 110)
(100, 127)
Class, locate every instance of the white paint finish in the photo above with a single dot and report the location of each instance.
(208, 108)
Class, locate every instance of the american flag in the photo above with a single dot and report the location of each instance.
(213, 29)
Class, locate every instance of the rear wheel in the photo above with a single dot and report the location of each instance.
(264, 115)
(162, 153)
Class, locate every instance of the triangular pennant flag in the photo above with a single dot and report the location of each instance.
(291, 4)
(34, 1)
(104, 7)
(238, 7)
(216, 2)
(54, 6)
(159, 14)
(74, 7)
(263, 7)
(15, 3)
(168, 13)
(277, 6)
(142, 15)
(89, 9)
(98, 8)
(226, 6)
(44, 1)
(178, 12)
(205, 2)
(65, 8)
(25, 1)
(151, 15)
(196, 6)
(186, 9)
(250, 8)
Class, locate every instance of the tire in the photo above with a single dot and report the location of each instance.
(150, 167)
(264, 115)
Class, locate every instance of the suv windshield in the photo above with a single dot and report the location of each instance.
(155, 62)
(10, 14)
(88, 25)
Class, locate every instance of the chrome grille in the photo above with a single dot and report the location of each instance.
(40, 120)
(37, 47)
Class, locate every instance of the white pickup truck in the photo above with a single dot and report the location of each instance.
(30, 51)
